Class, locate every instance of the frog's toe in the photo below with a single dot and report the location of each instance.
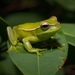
(13, 48)
(39, 53)
(42, 49)
(34, 51)
(60, 48)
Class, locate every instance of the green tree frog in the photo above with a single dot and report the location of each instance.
(30, 33)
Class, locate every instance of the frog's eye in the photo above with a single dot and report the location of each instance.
(44, 26)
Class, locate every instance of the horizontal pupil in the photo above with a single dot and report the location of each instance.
(44, 26)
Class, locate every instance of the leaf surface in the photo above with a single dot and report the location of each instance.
(69, 31)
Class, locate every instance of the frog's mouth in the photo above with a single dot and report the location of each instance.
(55, 28)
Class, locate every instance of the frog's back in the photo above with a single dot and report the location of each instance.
(29, 26)
(25, 30)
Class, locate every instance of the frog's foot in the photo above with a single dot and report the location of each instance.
(36, 50)
(13, 48)
(60, 47)
(57, 48)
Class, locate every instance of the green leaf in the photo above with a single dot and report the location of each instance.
(69, 31)
(6, 65)
(48, 64)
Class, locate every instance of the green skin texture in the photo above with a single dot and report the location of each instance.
(30, 33)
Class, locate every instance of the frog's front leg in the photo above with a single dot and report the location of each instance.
(27, 44)
(12, 38)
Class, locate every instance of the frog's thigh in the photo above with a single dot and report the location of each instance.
(28, 45)
(12, 35)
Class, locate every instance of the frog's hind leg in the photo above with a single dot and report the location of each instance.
(12, 38)
(55, 44)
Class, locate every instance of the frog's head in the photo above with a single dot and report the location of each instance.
(48, 28)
